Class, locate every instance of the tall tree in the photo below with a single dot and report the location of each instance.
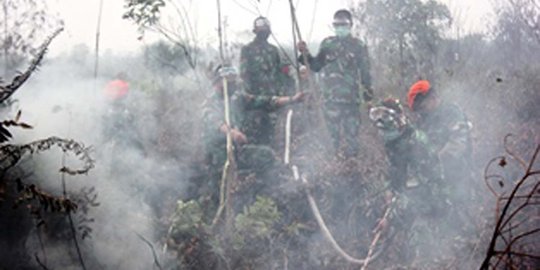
(517, 30)
(169, 18)
(405, 34)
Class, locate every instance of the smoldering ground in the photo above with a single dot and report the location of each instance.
(140, 174)
(133, 179)
(130, 181)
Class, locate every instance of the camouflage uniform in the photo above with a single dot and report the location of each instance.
(448, 130)
(252, 159)
(261, 71)
(413, 162)
(416, 180)
(251, 156)
(344, 65)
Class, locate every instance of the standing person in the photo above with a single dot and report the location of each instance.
(264, 74)
(119, 126)
(118, 119)
(343, 62)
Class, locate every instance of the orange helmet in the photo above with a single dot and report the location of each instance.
(420, 87)
(116, 89)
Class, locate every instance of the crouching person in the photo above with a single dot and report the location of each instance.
(250, 158)
(415, 180)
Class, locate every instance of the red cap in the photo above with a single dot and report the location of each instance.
(116, 89)
(419, 87)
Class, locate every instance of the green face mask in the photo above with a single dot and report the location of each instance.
(342, 30)
(390, 135)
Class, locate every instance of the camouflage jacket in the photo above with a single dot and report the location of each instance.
(448, 130)
(344, 65)
(416, 176)
(240, 103)
(260, 69)
(413, 162)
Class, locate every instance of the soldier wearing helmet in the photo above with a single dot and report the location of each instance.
(263, 73)
(445, 123)
(415, 180)
(412, 160)
(449, 133)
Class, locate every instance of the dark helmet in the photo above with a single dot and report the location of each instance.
(343, 14)
(393, 103)
(261, 24)
(388, 115)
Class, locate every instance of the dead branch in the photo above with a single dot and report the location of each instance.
(229, 169)
(536, 257)
(512, 154)
(373, 244)
(156, 261)
(488, 177)
(45, 201)
(43, 266)
(12, 154)
(7, 90)
(503, 219)
(521, 207)
(70, 218)
(5, 135)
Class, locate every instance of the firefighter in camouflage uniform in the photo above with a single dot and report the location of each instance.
(249, 155)
(448, 130)
(412, 159)
(264, 74)
(415, 180)
(343, 63)
(449, 133)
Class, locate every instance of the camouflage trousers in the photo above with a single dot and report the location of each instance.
(249, 158)
(420, 214)
(256, 158)
(260, 126)
(343, 122)
(253, 162)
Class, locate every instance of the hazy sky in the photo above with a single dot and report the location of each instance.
(80, 17)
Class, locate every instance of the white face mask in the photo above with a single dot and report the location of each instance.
(342, 30)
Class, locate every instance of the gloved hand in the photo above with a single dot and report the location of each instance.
(368, 95)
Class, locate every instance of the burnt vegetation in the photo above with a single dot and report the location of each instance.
(150, 204)
(20, 190)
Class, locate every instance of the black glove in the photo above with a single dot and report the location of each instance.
(368, 95)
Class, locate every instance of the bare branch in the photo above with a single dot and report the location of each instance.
(7, 90)
(510, 152)
(12, 154)
(501, 220)
(156, 261)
